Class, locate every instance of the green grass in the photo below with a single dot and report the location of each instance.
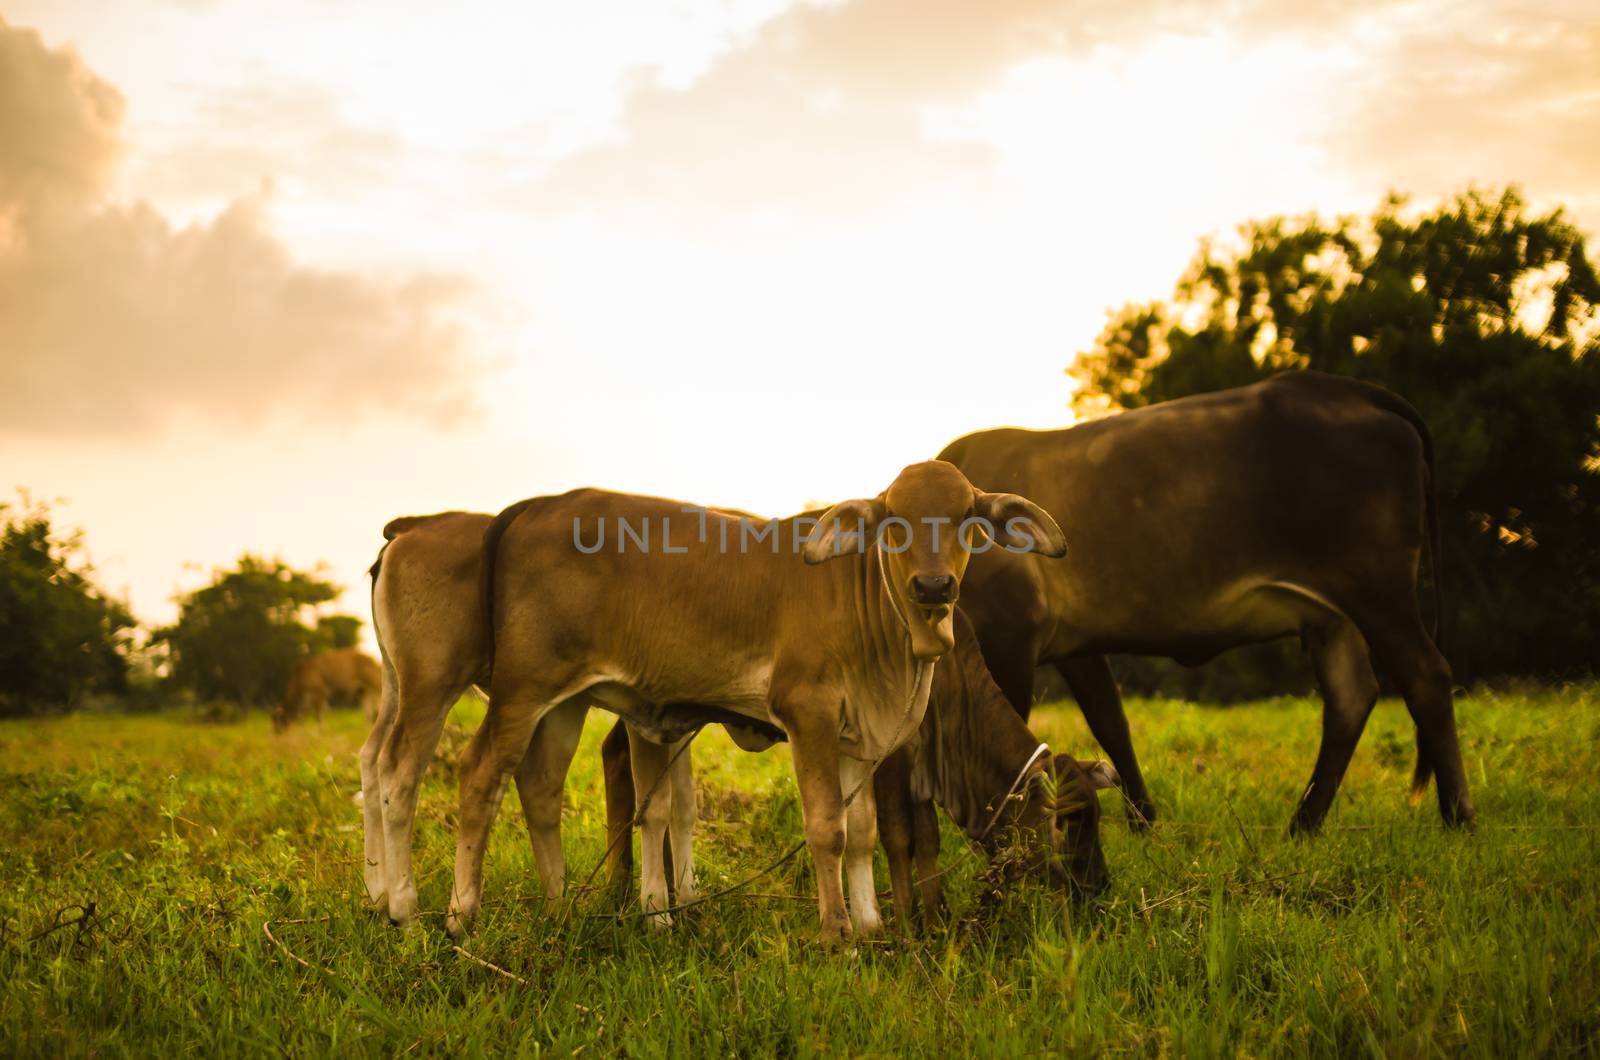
(1220, 934)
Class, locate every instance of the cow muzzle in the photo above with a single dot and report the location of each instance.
(934, 590)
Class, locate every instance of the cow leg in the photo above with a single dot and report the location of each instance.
(372, 869)
(404, 756)
(925, 841)
(680, 854)
(1095, 689)
(1406, 653)
(649, 767)
(617, 768)
(1349, 689)
(541, 781)
(496, 748)
(861, 840)
(813, 731)
(891, 790)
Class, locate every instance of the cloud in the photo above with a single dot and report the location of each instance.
(822, 108)
(293, 132)
(113, 321)
(1486, 96)
(58, 123)
(825, 107)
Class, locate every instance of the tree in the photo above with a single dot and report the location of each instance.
(238, 638)
(61, 638)
(1483, 315)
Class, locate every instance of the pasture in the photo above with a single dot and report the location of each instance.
(141, 856)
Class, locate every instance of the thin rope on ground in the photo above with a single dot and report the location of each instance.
(266, 926)
(488, 964)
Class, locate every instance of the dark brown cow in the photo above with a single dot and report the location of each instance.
(1299, 505)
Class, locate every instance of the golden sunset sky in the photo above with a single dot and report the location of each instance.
(273, 273)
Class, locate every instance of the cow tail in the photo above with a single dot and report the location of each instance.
(1397, 405)
(372, 599)
(491, 552)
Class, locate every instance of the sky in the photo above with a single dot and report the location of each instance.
(274, 273)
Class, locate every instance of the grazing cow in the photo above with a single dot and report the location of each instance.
(970, 754)
(836, 656)
(1298, 505)
(344, 674)
(433, 632)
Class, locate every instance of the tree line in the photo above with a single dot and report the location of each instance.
(65, 644)
(1482, 313)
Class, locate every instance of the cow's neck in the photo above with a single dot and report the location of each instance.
(973, 746)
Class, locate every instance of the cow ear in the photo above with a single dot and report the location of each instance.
(1021, 525)
(1101, 774)
(843, 529)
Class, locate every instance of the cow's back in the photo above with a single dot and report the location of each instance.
(427, 603)
(1174, 512)
(677, 617)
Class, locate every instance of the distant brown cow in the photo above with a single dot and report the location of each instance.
(345, 674)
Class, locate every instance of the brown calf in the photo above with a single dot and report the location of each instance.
(836, 656)
(433, 632)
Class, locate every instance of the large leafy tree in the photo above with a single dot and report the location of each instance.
(61, 639)
(238, 638)
(1482, 313)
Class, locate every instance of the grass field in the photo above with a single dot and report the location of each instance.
(1219, 935)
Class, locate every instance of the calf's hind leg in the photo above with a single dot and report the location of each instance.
(1349, 689)
(407, 749)
(372, 869)
(649, 782)
(541, 782)
(680, 862)
(497, 747)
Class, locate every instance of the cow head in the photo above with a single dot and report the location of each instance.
(281, 716)
(1055, 826)
(1080, 864)
(925, 527)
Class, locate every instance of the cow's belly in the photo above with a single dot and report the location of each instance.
(1192, 626)
(664, 710)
